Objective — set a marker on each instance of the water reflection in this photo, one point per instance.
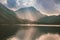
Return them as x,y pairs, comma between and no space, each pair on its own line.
38,33
27,32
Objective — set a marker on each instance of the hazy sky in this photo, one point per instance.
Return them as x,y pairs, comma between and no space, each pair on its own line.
48,7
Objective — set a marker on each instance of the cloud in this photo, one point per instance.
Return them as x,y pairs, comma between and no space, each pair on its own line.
57,1
47,7
3,1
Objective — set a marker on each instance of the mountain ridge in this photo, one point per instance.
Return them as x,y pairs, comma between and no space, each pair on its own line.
31,11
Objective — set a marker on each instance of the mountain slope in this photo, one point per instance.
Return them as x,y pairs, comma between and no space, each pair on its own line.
9,17
29,13
6,15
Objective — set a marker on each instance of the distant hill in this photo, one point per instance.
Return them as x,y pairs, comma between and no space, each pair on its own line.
29,13
49,20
